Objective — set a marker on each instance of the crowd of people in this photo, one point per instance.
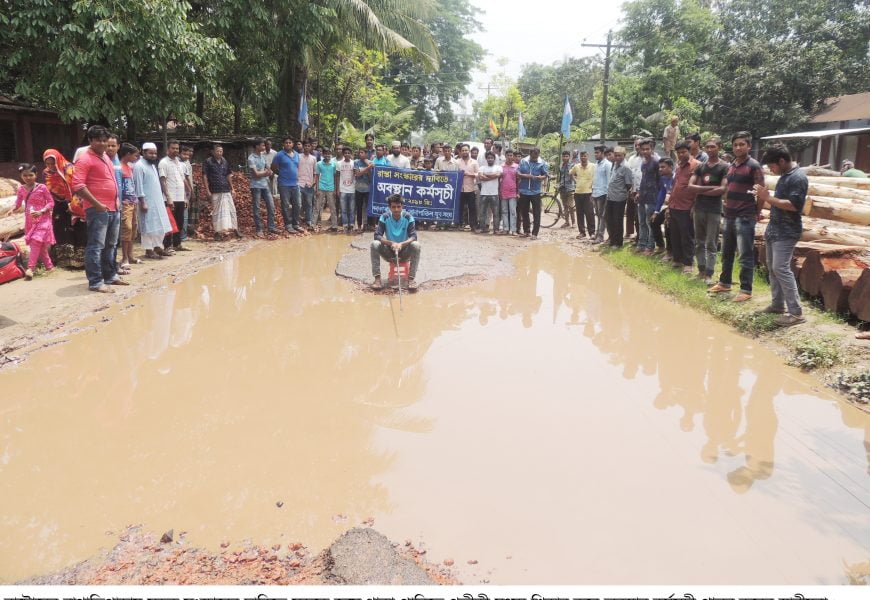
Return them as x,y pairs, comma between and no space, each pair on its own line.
690,192
672,206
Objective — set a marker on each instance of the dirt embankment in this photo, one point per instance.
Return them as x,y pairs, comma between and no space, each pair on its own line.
360,556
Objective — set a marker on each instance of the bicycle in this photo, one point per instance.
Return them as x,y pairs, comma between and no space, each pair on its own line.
551,207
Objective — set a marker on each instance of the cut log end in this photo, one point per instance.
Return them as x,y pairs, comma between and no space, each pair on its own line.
836,287
859,297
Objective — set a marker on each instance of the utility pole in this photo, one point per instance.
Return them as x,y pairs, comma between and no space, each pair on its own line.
609,45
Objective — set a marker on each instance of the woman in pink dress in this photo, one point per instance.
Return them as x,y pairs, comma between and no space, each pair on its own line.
37,203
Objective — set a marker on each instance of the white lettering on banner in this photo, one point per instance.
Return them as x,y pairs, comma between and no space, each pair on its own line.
403,189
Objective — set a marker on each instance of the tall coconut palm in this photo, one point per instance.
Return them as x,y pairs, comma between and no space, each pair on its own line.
308,29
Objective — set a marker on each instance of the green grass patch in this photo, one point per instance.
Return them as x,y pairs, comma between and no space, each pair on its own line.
814,352
693,292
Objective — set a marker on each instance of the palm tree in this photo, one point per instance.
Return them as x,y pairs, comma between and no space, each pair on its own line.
308,29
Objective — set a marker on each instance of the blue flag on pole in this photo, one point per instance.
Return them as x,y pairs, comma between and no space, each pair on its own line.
567,117
521,129
303,110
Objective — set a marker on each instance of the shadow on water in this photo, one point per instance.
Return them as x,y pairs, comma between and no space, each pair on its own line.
267,379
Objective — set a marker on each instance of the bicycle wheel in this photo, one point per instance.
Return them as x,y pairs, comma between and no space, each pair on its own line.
551,210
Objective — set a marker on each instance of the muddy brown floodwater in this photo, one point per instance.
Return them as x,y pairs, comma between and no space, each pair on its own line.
560,425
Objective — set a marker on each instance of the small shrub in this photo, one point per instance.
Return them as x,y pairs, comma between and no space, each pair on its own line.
855,385
815,353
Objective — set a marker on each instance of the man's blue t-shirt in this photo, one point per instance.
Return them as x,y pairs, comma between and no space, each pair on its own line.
532,187
326,183
397,231
118,177
364,182
288,168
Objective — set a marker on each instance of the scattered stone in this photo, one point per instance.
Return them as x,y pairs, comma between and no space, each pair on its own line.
369,522
279,504
365,557
295,546
472,562
167,537
225,544
448,562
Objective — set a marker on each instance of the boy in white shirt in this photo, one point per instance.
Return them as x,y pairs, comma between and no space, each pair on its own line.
488,177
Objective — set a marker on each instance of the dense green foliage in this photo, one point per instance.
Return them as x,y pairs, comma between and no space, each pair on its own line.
218,65
398,66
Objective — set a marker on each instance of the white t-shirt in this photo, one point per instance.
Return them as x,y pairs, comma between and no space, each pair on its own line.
187,169
172,170
635,163
400,162
489,187
346,180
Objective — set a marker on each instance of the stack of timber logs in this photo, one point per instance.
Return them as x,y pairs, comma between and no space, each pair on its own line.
832,259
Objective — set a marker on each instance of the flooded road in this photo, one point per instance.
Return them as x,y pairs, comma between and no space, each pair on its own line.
562,425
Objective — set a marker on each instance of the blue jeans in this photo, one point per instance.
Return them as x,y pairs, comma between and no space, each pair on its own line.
100,265
347,208
307,194
509,215
783,287
289,205
644,234
256,193
738,236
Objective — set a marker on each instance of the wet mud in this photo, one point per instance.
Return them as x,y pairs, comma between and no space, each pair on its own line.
558,424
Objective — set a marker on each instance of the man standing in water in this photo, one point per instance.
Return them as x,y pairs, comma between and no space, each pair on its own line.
396,235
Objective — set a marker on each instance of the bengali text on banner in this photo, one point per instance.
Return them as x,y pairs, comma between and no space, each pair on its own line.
429,195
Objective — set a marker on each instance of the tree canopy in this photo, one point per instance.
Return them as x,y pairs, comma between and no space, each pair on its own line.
218,65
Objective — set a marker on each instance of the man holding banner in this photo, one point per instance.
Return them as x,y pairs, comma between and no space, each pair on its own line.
396,235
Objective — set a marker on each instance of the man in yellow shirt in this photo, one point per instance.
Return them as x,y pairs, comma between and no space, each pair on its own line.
582,173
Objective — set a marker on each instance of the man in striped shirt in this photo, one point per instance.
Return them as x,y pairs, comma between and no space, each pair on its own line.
741,214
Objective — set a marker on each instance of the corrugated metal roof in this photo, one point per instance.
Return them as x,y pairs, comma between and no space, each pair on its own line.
844,108
819,133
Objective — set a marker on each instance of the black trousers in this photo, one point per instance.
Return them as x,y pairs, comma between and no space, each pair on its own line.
614,216
174,239
630,217
682,236
657,230
468,209
523,204
585,209
361,201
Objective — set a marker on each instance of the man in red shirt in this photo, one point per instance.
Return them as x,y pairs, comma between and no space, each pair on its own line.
95,183
682,229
